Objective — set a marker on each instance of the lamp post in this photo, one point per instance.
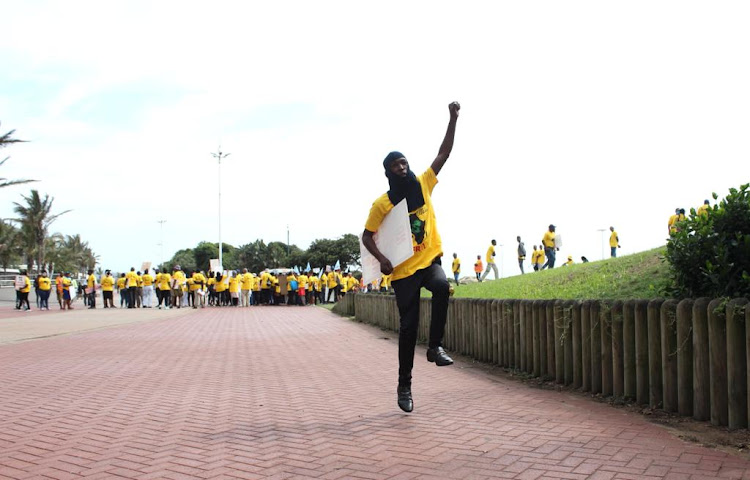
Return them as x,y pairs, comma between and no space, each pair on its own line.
161,241
218,156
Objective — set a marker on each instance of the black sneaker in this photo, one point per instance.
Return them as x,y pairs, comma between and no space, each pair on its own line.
439,357
405,401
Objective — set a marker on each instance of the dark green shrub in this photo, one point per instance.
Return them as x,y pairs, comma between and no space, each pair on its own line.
709,255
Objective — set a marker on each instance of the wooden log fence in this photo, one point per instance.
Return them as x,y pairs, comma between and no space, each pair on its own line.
691,356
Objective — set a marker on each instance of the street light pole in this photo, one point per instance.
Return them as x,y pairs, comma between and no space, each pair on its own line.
161,241
218,156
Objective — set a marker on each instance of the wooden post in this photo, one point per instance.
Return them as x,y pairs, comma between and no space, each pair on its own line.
701,361
668,326
550,320
628,349
568,340
596,347
656,389
529,336
618,366
605,316
542,327
575,329
522,333
535,336
517,340
685,357
736,364
586,346
717,353
507,316
642,393
559,356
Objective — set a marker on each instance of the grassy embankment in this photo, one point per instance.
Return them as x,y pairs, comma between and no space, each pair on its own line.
642,275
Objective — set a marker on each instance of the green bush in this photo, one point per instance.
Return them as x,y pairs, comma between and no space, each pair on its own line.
709,254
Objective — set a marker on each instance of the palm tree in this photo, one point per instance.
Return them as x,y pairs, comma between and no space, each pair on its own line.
5,140
35,219
10,240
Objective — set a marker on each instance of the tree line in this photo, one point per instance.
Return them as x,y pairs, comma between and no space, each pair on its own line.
258,255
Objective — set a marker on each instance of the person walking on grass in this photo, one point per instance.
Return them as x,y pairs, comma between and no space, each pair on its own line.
490,257
614,242
423,269
456,267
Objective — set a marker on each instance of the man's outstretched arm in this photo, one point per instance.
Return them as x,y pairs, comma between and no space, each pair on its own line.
447,145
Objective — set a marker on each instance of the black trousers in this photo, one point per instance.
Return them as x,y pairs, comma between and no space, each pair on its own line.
407,298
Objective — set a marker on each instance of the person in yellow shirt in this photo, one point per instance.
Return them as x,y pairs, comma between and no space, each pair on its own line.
246,286
548,242
333,287
456,267
490,258
197,289
178,280
569,262
234,289
255,298
703,209
277,298
122,289
23,287
131,281
211,284
614,242
147,280
91,289
353,283
221,289
679,216
423,269
164,286
67,294
44,290
291,289
302,281
323,279
108,288
535,259
385,283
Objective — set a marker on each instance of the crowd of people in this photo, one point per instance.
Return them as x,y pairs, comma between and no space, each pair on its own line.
196,289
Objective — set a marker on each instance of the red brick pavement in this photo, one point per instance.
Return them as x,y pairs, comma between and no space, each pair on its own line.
300,393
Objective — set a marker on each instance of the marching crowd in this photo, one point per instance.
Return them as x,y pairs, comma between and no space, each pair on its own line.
196,289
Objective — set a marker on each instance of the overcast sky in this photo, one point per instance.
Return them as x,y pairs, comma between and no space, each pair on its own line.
581,114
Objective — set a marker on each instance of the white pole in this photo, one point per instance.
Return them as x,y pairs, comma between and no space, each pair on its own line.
219,156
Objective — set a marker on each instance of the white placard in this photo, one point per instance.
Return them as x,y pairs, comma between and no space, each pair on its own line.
558,241
393,239
215,266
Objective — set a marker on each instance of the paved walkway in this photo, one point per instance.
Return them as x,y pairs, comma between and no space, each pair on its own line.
276,392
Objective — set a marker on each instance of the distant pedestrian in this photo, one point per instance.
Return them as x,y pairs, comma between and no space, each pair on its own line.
614,242
521,254
478,267
456,267
548,241
490,257
108,287
535,264
45,287
584,260
91,289
703,209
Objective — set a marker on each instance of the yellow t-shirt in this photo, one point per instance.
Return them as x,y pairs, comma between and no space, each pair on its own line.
333,280
256,283
302,280
490,258
220,285
353,282
108,283
672,220
425,237
131,279
703,210
385,281
66,282
613,240
540,259
234,285
549,239
27,285
148,280
247,281
139,281
198,281
455,267
45,283
179,279
91,281
265,280
120,283
314,283
164,283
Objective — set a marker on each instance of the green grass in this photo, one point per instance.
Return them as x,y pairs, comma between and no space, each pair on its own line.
642,275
